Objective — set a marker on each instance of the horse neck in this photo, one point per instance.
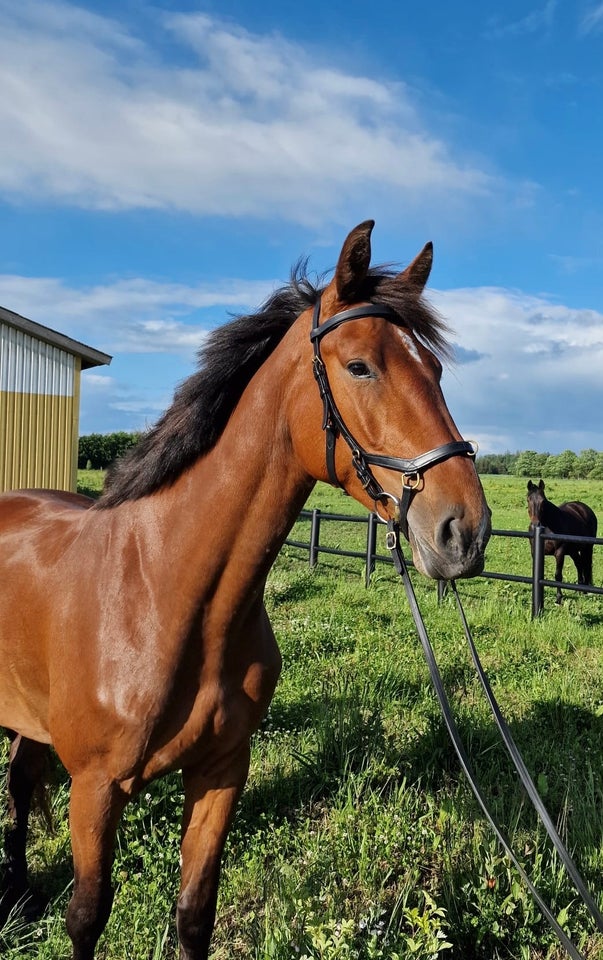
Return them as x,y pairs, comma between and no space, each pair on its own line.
228,515
550,515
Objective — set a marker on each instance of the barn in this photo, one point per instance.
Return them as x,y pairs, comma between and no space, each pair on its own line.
39,403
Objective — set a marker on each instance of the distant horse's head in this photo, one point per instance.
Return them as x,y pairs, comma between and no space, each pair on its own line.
383,374
536,501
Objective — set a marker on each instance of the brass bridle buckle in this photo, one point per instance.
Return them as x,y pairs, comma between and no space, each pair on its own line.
412,480
391,540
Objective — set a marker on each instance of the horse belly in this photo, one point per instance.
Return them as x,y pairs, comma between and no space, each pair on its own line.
23,704
21,718
23,669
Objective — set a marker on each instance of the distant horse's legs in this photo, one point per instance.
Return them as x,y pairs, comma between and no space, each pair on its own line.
559,558
210,803
26,770
575,553
586,555
95,808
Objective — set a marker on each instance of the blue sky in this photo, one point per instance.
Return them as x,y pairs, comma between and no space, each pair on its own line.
163,166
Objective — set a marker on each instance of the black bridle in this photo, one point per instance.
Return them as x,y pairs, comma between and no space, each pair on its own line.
334,426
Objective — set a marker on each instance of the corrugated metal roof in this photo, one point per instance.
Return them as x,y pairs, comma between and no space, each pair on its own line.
33,366
89,356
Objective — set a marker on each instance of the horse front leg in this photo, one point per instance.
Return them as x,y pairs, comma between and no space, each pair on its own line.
96,805
559,558
210,800
26,771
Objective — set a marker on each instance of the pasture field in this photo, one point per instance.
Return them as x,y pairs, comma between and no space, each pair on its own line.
357,836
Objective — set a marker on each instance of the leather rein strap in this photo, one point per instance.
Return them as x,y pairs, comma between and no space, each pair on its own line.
411,471
334,425
393,544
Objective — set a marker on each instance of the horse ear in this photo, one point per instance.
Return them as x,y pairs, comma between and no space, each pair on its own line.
541,486
354,261
531,486
417,272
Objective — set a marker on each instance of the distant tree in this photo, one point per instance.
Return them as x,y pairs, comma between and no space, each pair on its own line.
496,463
98,450
92,451
586,462
488,463
564,464
119,443
597,471
530,464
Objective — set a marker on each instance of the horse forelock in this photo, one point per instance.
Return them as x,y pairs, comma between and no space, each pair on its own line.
227,360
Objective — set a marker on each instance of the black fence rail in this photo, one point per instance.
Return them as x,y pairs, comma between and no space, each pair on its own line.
537,581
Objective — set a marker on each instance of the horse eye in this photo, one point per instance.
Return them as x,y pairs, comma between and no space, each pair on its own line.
359,369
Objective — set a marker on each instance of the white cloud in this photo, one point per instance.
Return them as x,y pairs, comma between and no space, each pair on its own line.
92,116
131,316
537,20
98,382
593,20
533,377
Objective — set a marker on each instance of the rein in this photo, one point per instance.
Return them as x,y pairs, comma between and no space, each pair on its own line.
411,470
393,544
334,426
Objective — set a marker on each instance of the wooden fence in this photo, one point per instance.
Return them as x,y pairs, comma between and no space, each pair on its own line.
369,555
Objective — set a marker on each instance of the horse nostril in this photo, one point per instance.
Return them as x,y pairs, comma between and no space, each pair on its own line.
451,532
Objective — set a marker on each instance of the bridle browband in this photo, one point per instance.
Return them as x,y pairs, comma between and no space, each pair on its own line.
334,426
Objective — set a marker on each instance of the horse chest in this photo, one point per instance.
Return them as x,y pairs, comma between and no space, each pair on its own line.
218,703
222,717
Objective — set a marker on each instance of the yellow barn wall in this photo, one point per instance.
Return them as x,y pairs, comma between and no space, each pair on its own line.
39,412
38,441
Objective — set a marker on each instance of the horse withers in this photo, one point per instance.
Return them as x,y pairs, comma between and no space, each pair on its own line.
133,636
572,519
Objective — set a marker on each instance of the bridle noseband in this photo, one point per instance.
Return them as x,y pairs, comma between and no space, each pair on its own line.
333,425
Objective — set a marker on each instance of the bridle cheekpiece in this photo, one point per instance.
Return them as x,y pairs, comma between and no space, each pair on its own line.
334,426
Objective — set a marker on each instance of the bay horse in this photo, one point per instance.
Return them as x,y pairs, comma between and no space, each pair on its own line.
133,635
573,518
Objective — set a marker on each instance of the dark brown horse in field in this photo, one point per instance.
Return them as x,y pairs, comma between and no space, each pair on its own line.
133,636
573,518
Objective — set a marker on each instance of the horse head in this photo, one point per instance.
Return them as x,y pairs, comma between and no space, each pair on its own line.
378,367
536,501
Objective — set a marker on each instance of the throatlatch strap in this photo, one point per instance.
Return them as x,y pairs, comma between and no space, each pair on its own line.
393,544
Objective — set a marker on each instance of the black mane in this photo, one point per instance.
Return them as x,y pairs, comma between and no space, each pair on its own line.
228,359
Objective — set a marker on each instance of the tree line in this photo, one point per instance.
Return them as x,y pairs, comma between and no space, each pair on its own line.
98,450
588,464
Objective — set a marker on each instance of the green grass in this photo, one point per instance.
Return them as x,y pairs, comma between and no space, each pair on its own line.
90,482
357,836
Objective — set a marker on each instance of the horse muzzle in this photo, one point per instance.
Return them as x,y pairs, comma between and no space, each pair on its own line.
454,549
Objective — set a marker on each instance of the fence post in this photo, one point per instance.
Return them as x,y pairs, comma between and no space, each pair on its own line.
371,547
442,590
314,537
537,571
